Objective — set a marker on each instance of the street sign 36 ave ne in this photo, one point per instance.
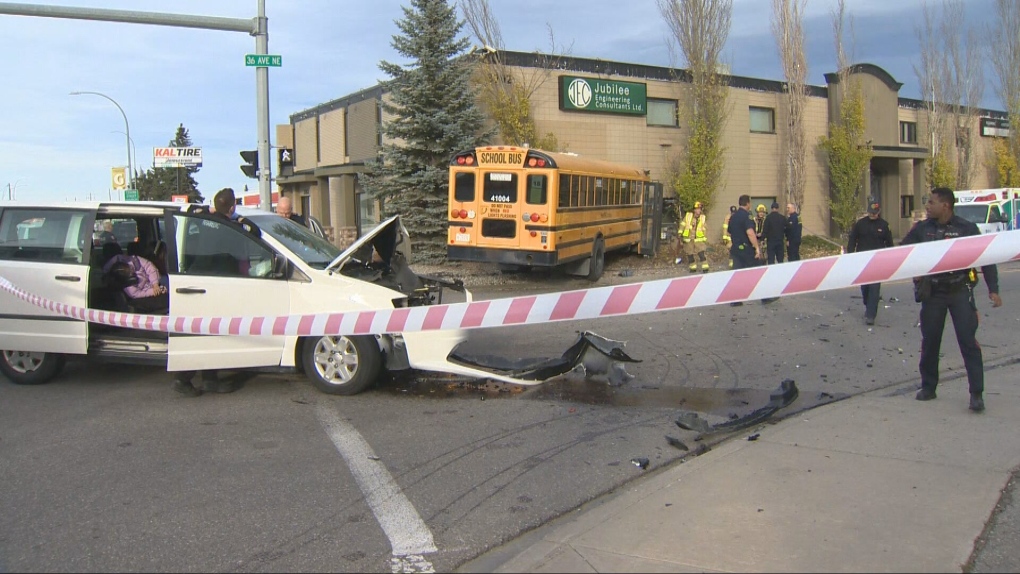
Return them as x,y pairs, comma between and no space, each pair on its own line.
263,60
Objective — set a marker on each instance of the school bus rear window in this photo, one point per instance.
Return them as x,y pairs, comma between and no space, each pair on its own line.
465,187
504,228
500,188
537,190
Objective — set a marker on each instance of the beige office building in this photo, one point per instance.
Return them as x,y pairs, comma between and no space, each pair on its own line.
636,125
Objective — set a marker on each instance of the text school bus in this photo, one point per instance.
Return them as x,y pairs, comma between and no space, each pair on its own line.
530,208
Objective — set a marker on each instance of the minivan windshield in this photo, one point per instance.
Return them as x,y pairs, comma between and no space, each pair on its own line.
298,239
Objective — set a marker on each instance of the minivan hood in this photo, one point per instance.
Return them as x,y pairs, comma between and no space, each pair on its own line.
387,238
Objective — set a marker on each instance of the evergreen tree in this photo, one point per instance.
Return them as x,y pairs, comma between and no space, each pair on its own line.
434,116
160,183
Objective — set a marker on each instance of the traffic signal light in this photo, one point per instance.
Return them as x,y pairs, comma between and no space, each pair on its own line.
251,160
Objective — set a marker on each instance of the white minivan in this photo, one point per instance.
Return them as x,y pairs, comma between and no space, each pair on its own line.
215,269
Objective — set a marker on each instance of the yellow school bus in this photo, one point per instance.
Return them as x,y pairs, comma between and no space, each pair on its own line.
525,207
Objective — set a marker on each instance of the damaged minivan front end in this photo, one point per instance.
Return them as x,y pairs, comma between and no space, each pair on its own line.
381,257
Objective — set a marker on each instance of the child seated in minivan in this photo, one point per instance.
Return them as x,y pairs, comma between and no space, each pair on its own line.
139,279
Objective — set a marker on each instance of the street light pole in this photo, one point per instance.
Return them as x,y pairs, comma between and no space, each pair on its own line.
127,133
12,193
134,150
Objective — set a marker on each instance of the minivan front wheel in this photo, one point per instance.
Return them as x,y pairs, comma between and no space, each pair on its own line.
340,365
27,368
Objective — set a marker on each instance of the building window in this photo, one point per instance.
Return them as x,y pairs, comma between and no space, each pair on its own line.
763,120
908,132
662,113
906,206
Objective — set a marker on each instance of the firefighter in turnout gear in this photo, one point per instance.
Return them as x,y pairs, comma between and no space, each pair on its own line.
726,239
694,233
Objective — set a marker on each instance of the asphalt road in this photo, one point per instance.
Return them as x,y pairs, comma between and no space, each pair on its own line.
106,469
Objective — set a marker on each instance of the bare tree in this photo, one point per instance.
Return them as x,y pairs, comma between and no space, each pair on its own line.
1005,55
788,29
967,81
932,74
951,73
506,91
700,29
847,154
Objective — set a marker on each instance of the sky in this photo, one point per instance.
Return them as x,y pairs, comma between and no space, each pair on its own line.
58,147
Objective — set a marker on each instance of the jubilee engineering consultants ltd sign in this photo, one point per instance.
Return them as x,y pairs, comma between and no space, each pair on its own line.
602,96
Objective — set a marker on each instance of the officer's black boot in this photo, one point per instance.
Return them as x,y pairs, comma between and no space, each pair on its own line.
977,404
182,384
925,394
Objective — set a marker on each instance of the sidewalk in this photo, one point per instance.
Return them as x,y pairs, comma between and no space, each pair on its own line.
876,483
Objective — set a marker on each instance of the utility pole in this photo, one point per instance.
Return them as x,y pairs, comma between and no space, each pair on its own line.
262,105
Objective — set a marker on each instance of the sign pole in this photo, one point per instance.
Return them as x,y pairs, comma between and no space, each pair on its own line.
262,103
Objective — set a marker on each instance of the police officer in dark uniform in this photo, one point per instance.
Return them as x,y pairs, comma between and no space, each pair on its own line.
744,250
951,292
774,231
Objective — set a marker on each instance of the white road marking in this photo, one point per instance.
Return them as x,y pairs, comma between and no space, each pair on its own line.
409,536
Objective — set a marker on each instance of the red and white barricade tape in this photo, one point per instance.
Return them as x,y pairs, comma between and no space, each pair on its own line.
824,274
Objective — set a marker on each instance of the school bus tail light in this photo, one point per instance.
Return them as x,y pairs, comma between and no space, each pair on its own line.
535,217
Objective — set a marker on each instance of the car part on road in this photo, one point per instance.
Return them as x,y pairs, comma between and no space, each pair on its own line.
781,398
591,356
677,443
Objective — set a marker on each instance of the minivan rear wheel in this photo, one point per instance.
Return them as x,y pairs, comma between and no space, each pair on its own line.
28,368
340,365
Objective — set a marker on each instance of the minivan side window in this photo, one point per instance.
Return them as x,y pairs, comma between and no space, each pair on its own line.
216,248
52,235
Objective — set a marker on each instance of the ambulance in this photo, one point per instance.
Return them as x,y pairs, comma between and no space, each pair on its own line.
985,207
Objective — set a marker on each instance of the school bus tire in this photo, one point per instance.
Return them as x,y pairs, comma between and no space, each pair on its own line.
24,368
339,365
598,260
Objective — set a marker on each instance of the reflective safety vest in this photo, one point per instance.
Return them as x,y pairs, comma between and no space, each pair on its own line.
699,233
726,229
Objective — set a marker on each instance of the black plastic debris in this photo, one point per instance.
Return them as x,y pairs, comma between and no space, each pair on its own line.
754,437
627,273
689,420
641,463
591,355
778,399
677,443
